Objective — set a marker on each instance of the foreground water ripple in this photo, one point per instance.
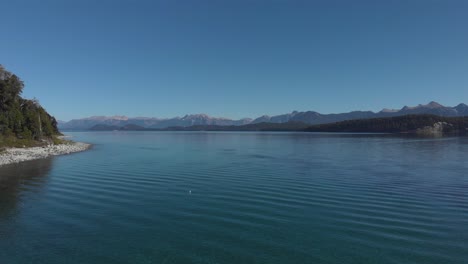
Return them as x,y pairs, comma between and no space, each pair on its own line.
173,197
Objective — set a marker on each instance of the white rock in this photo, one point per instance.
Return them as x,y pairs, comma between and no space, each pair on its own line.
15,155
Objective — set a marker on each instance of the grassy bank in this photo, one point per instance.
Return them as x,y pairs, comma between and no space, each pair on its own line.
15,142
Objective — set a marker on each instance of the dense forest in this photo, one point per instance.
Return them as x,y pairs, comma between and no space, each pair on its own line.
400,124
23,122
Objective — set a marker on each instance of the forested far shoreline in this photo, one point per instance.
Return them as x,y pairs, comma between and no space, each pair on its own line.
400,124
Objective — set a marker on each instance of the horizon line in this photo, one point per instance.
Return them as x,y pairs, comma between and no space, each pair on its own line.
253,118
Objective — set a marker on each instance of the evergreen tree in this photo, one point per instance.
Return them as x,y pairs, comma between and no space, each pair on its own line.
21,118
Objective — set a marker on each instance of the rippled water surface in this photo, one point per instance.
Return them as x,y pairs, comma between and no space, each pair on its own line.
168,197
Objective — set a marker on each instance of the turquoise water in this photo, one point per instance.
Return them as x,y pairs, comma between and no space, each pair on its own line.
168,197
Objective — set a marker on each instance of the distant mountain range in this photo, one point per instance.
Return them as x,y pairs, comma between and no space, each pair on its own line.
420,124
308,117
150,122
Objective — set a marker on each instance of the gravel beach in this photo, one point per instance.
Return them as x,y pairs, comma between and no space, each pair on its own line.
15,155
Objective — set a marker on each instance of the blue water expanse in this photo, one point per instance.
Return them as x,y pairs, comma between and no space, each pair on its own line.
201,197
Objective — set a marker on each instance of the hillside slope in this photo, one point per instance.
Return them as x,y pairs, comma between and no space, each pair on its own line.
399,124
23,122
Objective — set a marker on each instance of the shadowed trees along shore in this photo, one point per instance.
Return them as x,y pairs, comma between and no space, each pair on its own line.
409,123
22,121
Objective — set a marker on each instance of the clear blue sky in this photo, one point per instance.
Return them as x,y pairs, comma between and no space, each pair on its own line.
235,58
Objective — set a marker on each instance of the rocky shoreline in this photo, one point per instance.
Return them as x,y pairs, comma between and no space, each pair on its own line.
16,155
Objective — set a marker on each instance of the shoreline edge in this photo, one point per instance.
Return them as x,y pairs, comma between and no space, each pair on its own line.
17,155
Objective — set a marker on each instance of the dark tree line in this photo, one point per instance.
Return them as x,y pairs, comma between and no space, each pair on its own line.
21,118
398,124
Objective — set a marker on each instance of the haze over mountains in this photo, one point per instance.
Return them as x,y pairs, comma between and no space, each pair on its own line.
308,117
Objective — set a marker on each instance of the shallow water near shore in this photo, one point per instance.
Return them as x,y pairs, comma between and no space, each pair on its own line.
202,197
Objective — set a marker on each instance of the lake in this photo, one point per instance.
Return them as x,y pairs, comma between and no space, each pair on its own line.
206,197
